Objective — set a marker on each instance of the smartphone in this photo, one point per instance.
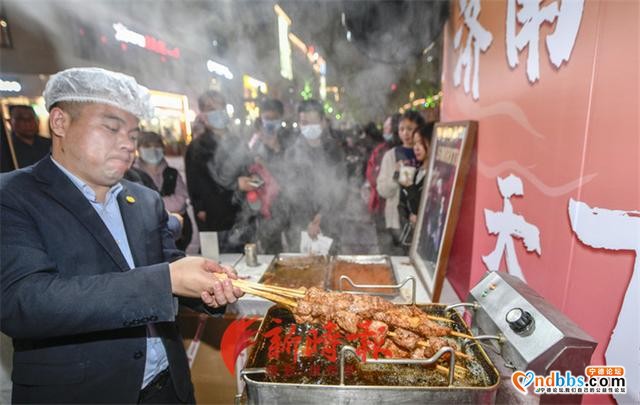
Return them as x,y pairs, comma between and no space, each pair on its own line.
256,182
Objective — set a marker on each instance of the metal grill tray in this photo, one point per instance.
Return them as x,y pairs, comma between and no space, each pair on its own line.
380,269
296,270
260,390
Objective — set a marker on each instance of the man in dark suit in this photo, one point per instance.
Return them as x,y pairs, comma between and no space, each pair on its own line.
25,144
89,270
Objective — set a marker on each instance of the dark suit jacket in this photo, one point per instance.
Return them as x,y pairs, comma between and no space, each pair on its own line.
76,312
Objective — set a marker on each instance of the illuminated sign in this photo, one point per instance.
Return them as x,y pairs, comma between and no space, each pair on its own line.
10,86
253,85
323,87
124,34
253,88
286,64
217,68
298,42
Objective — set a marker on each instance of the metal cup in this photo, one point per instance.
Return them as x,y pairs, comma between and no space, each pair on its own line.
251,254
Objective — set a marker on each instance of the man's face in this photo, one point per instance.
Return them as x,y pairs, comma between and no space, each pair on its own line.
98,145
24,122
310,118
270,115
271,122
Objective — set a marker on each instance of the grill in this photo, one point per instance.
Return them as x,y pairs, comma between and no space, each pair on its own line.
521,330
402,381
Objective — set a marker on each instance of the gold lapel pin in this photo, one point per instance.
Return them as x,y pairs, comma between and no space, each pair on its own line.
130,199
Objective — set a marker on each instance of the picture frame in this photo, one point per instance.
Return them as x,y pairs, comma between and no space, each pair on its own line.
449,161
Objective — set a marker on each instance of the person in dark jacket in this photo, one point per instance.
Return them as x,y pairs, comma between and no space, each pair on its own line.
271,142
88,270
216,164
26,145
317,185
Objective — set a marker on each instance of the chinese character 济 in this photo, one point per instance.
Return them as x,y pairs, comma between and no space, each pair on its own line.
478,39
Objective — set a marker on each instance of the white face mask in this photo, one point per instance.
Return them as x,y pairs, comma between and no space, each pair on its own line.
388,137
219,119
311,132
152,155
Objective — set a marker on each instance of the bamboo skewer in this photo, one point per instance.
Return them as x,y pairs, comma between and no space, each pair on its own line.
278,299
440,319
444,370
461,335
288,292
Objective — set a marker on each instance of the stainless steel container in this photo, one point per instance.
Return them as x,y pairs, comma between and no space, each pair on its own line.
383,263
260,390
251,254
296,270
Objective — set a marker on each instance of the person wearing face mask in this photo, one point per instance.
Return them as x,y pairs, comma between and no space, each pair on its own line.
166,180
376,203
269,147
272,138
217,179
316,189
389,180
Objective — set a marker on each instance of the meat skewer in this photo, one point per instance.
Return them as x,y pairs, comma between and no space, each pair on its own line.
347,311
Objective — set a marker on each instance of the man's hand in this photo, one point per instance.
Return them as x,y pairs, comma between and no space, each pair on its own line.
179,217
202,216
194,277
244,184
413,219
313,229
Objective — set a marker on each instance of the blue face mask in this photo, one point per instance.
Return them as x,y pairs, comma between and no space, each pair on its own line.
388,137
219,119
271,126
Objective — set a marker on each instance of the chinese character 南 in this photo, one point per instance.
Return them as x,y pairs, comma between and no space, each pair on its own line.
478,39
531,17
508,225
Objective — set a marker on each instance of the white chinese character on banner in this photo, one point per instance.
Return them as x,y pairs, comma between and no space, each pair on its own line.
508,225
531,17
478,39
602,228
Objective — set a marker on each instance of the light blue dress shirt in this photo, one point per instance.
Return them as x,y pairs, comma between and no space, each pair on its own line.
109,212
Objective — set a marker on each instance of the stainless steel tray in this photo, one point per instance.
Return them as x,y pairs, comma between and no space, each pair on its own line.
295,275
354,285
262,390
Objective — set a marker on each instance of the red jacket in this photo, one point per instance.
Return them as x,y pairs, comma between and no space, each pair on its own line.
376,204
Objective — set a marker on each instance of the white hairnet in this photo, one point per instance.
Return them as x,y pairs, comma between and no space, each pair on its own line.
98,85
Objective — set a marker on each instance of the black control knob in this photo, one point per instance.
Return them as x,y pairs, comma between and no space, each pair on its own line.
519,320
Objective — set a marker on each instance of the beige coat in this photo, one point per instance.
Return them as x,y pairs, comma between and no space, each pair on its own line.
389,189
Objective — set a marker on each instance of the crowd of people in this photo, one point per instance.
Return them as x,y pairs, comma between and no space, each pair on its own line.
275,185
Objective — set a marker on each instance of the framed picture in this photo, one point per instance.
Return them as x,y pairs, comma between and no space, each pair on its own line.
450,156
